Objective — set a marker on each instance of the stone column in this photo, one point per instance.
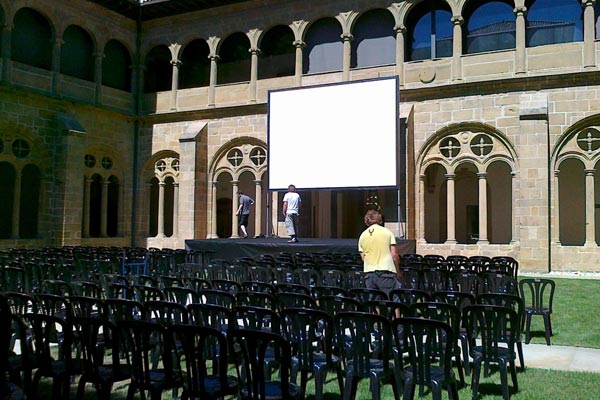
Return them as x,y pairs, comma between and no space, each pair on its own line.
235,204
212,234
86,206
257,207
400,31
515,228
457,22
421,234
556,213
483,213
299,45
58,42
347,40
6,50
137,87
98,57
104,209
213,79
520,44
450,209
175,208
16,212
253,74
590,220
175,83
161,210
589,30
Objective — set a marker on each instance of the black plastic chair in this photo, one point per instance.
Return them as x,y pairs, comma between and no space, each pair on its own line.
538,297
140,339
258,287
492,332
292,288
387,308
217,297
199,346
49,332
449,314
408,296
498,282
364,294
320,291
123,309
365,341
293,300
8,390
145,293
255,299
311,334
226,285
430,346
181,295
256,380
510,301
84,306
332,305
98,337
212,316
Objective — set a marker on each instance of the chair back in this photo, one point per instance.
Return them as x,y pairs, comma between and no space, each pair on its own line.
212,316
310,332
537,294
255,347
495,327
257,318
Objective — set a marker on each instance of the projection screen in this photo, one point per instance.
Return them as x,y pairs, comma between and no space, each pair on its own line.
334,136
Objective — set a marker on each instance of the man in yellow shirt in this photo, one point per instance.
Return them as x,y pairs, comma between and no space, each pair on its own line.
377,248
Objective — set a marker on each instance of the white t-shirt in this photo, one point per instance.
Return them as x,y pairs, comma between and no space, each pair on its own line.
293,202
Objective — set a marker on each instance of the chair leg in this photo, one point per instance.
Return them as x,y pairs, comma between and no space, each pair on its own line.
80,389
521,358
350,389
528,329
547,328
465,350
504,381
409,390
513,374
475,378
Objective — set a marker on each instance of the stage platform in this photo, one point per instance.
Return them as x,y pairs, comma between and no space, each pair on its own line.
230,249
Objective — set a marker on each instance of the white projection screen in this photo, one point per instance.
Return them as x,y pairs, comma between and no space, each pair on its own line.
334,136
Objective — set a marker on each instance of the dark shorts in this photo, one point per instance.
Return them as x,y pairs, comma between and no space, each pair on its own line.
243,219
385,281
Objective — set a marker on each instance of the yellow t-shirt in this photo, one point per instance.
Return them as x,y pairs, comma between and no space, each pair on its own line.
375,244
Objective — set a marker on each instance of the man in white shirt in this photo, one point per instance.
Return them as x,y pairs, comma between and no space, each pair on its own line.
291,210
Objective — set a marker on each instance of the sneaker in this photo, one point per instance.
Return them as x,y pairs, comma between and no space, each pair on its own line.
293,240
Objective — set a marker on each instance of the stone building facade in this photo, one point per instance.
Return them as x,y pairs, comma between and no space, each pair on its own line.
117,132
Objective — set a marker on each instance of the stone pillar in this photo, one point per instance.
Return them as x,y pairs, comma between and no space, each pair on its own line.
161,210
104,209
6,50
212,233
257,207
213,79
590,220
515,228
450,209
253,74
234,218
589,30
421,234
457,22
175,84
347,40
58,42
400,31
556,213
86,207
483,213
520,43
137,87
98,57
16,213
175,208
299,45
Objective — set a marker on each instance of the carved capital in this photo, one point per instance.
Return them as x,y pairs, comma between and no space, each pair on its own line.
457,20
520,11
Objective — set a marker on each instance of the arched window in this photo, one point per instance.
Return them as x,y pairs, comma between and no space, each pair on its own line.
95,206
116,64
374,40
435,204
324,47
554,21
235,58
429,31
7,194
30,201
31,39
164,196
76,57
490,26
112,220
277,53
571,183
195,65
159,71
466,204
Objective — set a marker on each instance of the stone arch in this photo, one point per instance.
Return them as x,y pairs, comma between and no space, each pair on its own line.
116,65
466,154
239,165
32,46
575,161
374,40
278,54
161,179
324,47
